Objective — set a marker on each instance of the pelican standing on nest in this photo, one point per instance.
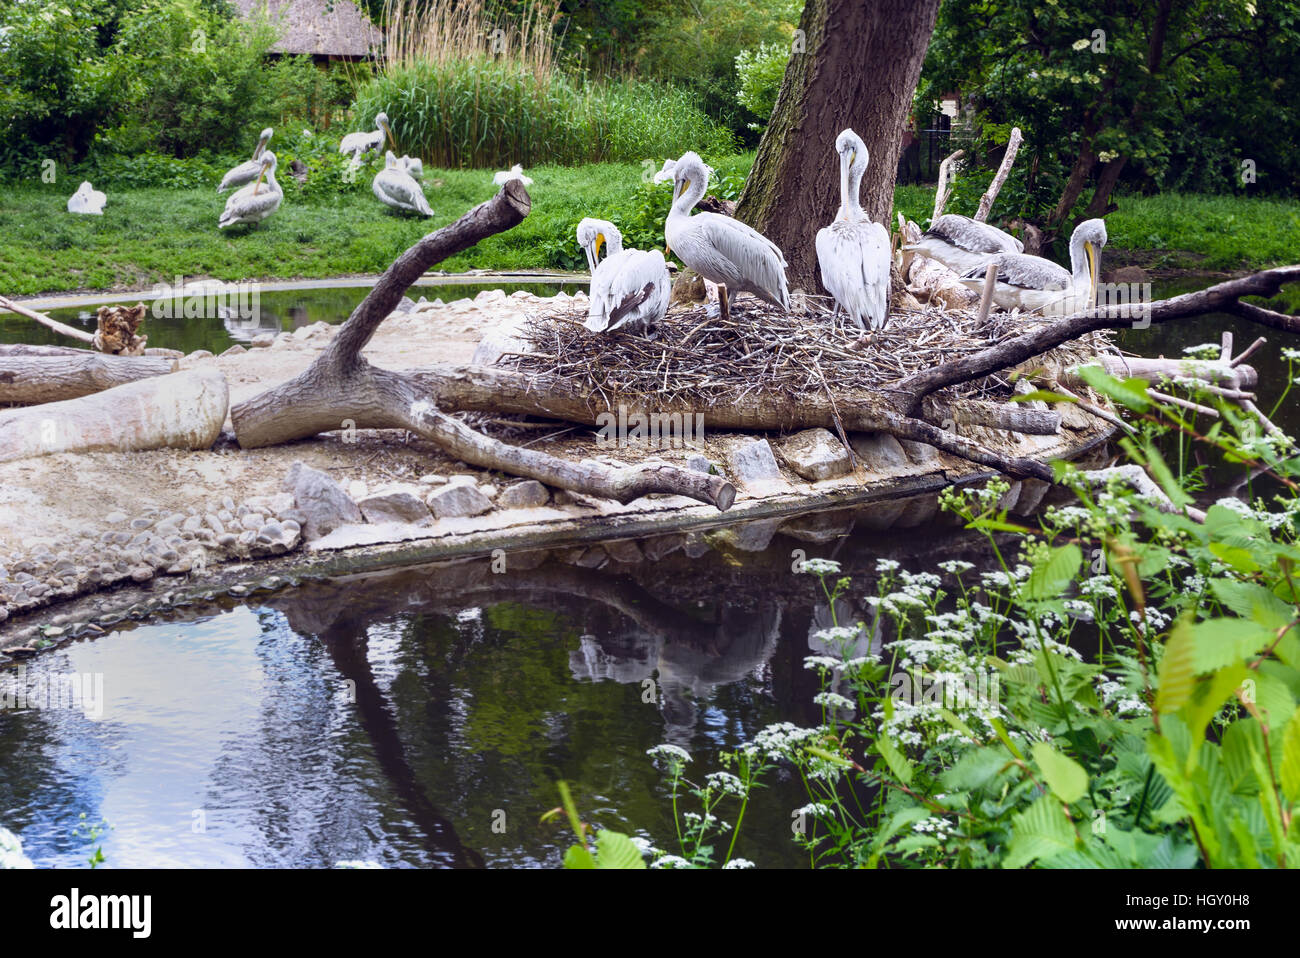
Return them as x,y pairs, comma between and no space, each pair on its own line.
247,171
395,187
1036,285
358,143
630,289
963,244
87,199
853,252
721,249
254,202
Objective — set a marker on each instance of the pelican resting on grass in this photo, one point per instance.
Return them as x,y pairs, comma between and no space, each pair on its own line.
630,288
515,172
721,249
358,143
247,171
254,202
853,252
1036,285
963,244
87,199
395,187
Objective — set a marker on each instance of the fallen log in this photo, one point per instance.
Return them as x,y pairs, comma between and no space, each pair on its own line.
43,379
341,386
183,410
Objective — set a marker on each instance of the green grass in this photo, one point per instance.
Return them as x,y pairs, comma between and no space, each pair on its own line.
1219,232
150,235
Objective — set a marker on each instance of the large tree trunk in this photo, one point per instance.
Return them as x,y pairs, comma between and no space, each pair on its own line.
859,69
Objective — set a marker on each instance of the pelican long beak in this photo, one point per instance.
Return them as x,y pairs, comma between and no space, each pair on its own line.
261,146
667,251
1091,253
258,185
591,260
387,130
600,238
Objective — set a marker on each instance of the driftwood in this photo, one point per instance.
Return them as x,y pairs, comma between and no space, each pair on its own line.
184,410
1008,160
340,386
947,173
43,379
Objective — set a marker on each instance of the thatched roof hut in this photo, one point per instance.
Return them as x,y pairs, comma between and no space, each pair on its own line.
323,29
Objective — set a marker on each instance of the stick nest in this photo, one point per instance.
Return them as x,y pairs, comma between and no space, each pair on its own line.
763,350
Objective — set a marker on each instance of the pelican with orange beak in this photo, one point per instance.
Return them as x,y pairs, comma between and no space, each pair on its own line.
254,202
359,143
1032,284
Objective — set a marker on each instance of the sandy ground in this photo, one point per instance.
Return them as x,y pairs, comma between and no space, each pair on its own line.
43,500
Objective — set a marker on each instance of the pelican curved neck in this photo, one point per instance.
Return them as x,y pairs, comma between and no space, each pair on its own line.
692,194
850,188
1081,269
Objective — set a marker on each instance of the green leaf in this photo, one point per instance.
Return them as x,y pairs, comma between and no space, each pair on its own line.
1041,830
1218,643
1177,676
1160,471
896,760
1237,557
1291,760
578,857
1052,576
1066,777
1043,395
1252,601
616,850
1131,392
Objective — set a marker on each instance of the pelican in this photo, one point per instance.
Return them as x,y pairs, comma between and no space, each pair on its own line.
516,172
254,203
414,166
1036,285
358,143
247,171
87,199
735,256
395,186
854,253
963,244
630,289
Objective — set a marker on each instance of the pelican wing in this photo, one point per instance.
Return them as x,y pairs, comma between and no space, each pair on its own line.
757,263
972,235
396,188
629,290
854,260
245,172
1025,271
358,143
245,206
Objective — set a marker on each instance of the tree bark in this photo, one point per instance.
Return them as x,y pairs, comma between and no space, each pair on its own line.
42,379
859,69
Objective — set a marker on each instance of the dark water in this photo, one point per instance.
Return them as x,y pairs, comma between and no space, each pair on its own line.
276,311
395,718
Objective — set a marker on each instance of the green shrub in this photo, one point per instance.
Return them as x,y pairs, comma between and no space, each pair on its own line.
760,71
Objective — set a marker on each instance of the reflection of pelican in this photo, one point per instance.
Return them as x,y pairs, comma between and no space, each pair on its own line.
630,289
358,143
853,252
962,244
721,249
254,203
87,199
397,188
247,171
1034,284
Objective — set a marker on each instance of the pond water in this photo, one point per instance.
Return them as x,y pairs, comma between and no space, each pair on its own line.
396,718
277,311
422,717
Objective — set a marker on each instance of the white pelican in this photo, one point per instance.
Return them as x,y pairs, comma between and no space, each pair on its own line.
398,189
247,171
630,289
963,244
853,252
515,172
1036,285
358,143
87,199
735,256
254,202
414,166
